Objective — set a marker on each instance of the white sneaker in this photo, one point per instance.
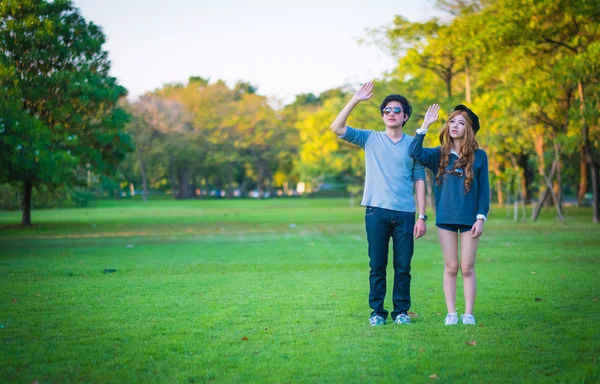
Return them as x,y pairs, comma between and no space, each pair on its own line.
467,319
451,319
376,320
402,318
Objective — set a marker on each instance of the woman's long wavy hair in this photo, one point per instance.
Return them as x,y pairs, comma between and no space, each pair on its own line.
466,152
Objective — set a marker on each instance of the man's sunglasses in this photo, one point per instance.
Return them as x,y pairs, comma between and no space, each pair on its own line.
388,110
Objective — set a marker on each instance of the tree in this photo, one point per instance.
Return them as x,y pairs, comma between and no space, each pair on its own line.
460,7
58,103
154,125
564,38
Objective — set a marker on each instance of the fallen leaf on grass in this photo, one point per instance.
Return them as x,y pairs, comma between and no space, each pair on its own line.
38,295
562,277
15,300
245,338
539,299
533,273
595,299
481,326
412,314
472,342
310,331
421,350
434,376
438,314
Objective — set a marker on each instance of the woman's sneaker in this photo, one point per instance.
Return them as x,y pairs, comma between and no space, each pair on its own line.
467,319
376,320
451,319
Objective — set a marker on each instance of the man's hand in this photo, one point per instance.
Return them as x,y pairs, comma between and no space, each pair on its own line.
365,92
477,229
420,228
432,115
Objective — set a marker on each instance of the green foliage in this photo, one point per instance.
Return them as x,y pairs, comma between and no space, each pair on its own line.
9,197
206,135
58,105
81,196
521,66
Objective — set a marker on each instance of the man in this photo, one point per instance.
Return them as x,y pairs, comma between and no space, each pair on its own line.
388,197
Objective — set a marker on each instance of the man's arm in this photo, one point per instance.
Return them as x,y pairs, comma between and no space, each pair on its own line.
364,93
420,225
421,204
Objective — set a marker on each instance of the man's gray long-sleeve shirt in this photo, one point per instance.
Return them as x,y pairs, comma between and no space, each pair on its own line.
390,171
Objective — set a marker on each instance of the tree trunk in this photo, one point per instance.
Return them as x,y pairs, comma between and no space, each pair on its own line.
495,169
589,155
583,176
558,206
448,81
172,177
595,192
27,189
549,191
184,182
528,175
499,191
230,180
144,177
543,197
261,179
548,179
521,199
524,178
558,181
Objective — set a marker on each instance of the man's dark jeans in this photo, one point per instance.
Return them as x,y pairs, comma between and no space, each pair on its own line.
381,224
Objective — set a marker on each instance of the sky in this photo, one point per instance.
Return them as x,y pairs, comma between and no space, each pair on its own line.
282,47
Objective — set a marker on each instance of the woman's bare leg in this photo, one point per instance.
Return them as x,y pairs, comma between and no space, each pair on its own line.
449,244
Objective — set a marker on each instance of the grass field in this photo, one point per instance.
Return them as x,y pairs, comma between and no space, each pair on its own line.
276,291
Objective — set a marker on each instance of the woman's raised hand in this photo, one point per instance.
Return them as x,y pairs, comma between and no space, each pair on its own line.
432,115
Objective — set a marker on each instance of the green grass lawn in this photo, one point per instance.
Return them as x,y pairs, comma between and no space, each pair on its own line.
276,291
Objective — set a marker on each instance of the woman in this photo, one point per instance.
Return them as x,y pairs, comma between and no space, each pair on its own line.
462,200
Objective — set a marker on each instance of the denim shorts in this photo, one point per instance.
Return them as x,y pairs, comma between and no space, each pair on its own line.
455,227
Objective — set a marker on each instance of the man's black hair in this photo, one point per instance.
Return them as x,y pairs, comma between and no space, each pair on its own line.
406,108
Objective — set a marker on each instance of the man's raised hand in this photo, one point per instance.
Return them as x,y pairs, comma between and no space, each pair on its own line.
365,92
